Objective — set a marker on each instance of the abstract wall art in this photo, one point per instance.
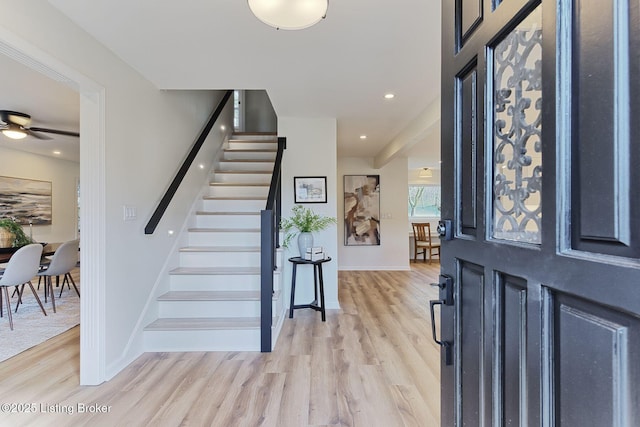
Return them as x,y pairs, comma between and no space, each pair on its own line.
26,200
361,210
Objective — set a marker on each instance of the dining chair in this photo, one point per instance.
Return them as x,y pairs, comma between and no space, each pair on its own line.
423,242
63,261
21,268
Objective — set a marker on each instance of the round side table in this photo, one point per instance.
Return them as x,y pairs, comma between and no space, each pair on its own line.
318,285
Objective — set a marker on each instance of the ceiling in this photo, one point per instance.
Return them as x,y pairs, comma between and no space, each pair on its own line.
50,104
342,67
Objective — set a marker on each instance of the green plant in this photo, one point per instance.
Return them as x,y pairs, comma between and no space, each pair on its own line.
303,220
12,226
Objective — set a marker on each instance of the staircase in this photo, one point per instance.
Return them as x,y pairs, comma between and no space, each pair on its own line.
213,302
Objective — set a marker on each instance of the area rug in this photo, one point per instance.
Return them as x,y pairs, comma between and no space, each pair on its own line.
31,327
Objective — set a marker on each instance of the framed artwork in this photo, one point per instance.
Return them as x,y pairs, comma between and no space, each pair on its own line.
26,200
361,210
310,189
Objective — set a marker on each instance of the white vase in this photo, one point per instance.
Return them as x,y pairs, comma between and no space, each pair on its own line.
305,240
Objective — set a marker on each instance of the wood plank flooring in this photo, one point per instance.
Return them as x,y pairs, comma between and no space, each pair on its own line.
371,364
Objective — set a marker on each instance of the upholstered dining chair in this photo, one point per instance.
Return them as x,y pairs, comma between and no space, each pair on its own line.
63,261
21,268
423,242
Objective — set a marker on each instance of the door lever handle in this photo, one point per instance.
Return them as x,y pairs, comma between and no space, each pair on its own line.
443,344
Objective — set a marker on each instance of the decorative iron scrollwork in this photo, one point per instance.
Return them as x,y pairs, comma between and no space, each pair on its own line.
517,148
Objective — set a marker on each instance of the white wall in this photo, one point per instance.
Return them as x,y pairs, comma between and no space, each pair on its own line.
393,251
311,151
63,175
259,115
146,134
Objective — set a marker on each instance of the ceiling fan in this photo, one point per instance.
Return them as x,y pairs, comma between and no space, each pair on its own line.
15,125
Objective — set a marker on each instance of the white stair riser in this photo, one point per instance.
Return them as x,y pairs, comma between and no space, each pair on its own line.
216,259
263,178
248,145
222,259
219,282
266,166
230,205
224,309
228,221
248,155
222,238
238,191
203,340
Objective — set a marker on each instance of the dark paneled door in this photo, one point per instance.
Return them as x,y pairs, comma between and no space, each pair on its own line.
541,182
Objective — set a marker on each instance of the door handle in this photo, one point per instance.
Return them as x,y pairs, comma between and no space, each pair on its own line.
443,344
446,289
445,283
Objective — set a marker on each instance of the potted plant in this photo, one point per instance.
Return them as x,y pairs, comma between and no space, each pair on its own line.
12,235
303,223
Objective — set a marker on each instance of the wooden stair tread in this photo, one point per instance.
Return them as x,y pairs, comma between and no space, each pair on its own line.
245,172
247,161
203,323
220,249
222,271
224,230
253,141
250,150
239,184
226,213
254,134
213,296
234,198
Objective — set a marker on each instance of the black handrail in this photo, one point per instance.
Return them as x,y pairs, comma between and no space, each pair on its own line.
182,172
269,242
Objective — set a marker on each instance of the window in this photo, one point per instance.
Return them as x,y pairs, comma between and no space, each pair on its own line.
238,110
424,201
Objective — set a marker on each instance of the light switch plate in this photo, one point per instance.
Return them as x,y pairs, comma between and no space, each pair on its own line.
130,213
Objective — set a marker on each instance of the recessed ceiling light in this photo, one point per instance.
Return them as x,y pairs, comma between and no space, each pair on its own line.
57,153
389,96
363,136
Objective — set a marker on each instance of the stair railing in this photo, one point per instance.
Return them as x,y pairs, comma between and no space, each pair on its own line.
182,172
269,243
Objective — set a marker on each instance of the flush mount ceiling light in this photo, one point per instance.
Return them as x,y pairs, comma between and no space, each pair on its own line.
425,173
289,14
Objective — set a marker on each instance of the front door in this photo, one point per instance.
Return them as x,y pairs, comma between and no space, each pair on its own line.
541,183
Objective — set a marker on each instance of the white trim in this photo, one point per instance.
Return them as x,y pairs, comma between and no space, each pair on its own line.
92,238
92,204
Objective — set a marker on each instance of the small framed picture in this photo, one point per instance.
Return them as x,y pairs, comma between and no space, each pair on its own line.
310,189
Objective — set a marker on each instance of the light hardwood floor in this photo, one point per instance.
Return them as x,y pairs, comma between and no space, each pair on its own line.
371,364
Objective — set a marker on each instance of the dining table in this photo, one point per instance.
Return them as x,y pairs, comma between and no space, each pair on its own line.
48,249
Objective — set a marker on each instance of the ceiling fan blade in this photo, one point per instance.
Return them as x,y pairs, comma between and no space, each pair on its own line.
30,132
55,131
